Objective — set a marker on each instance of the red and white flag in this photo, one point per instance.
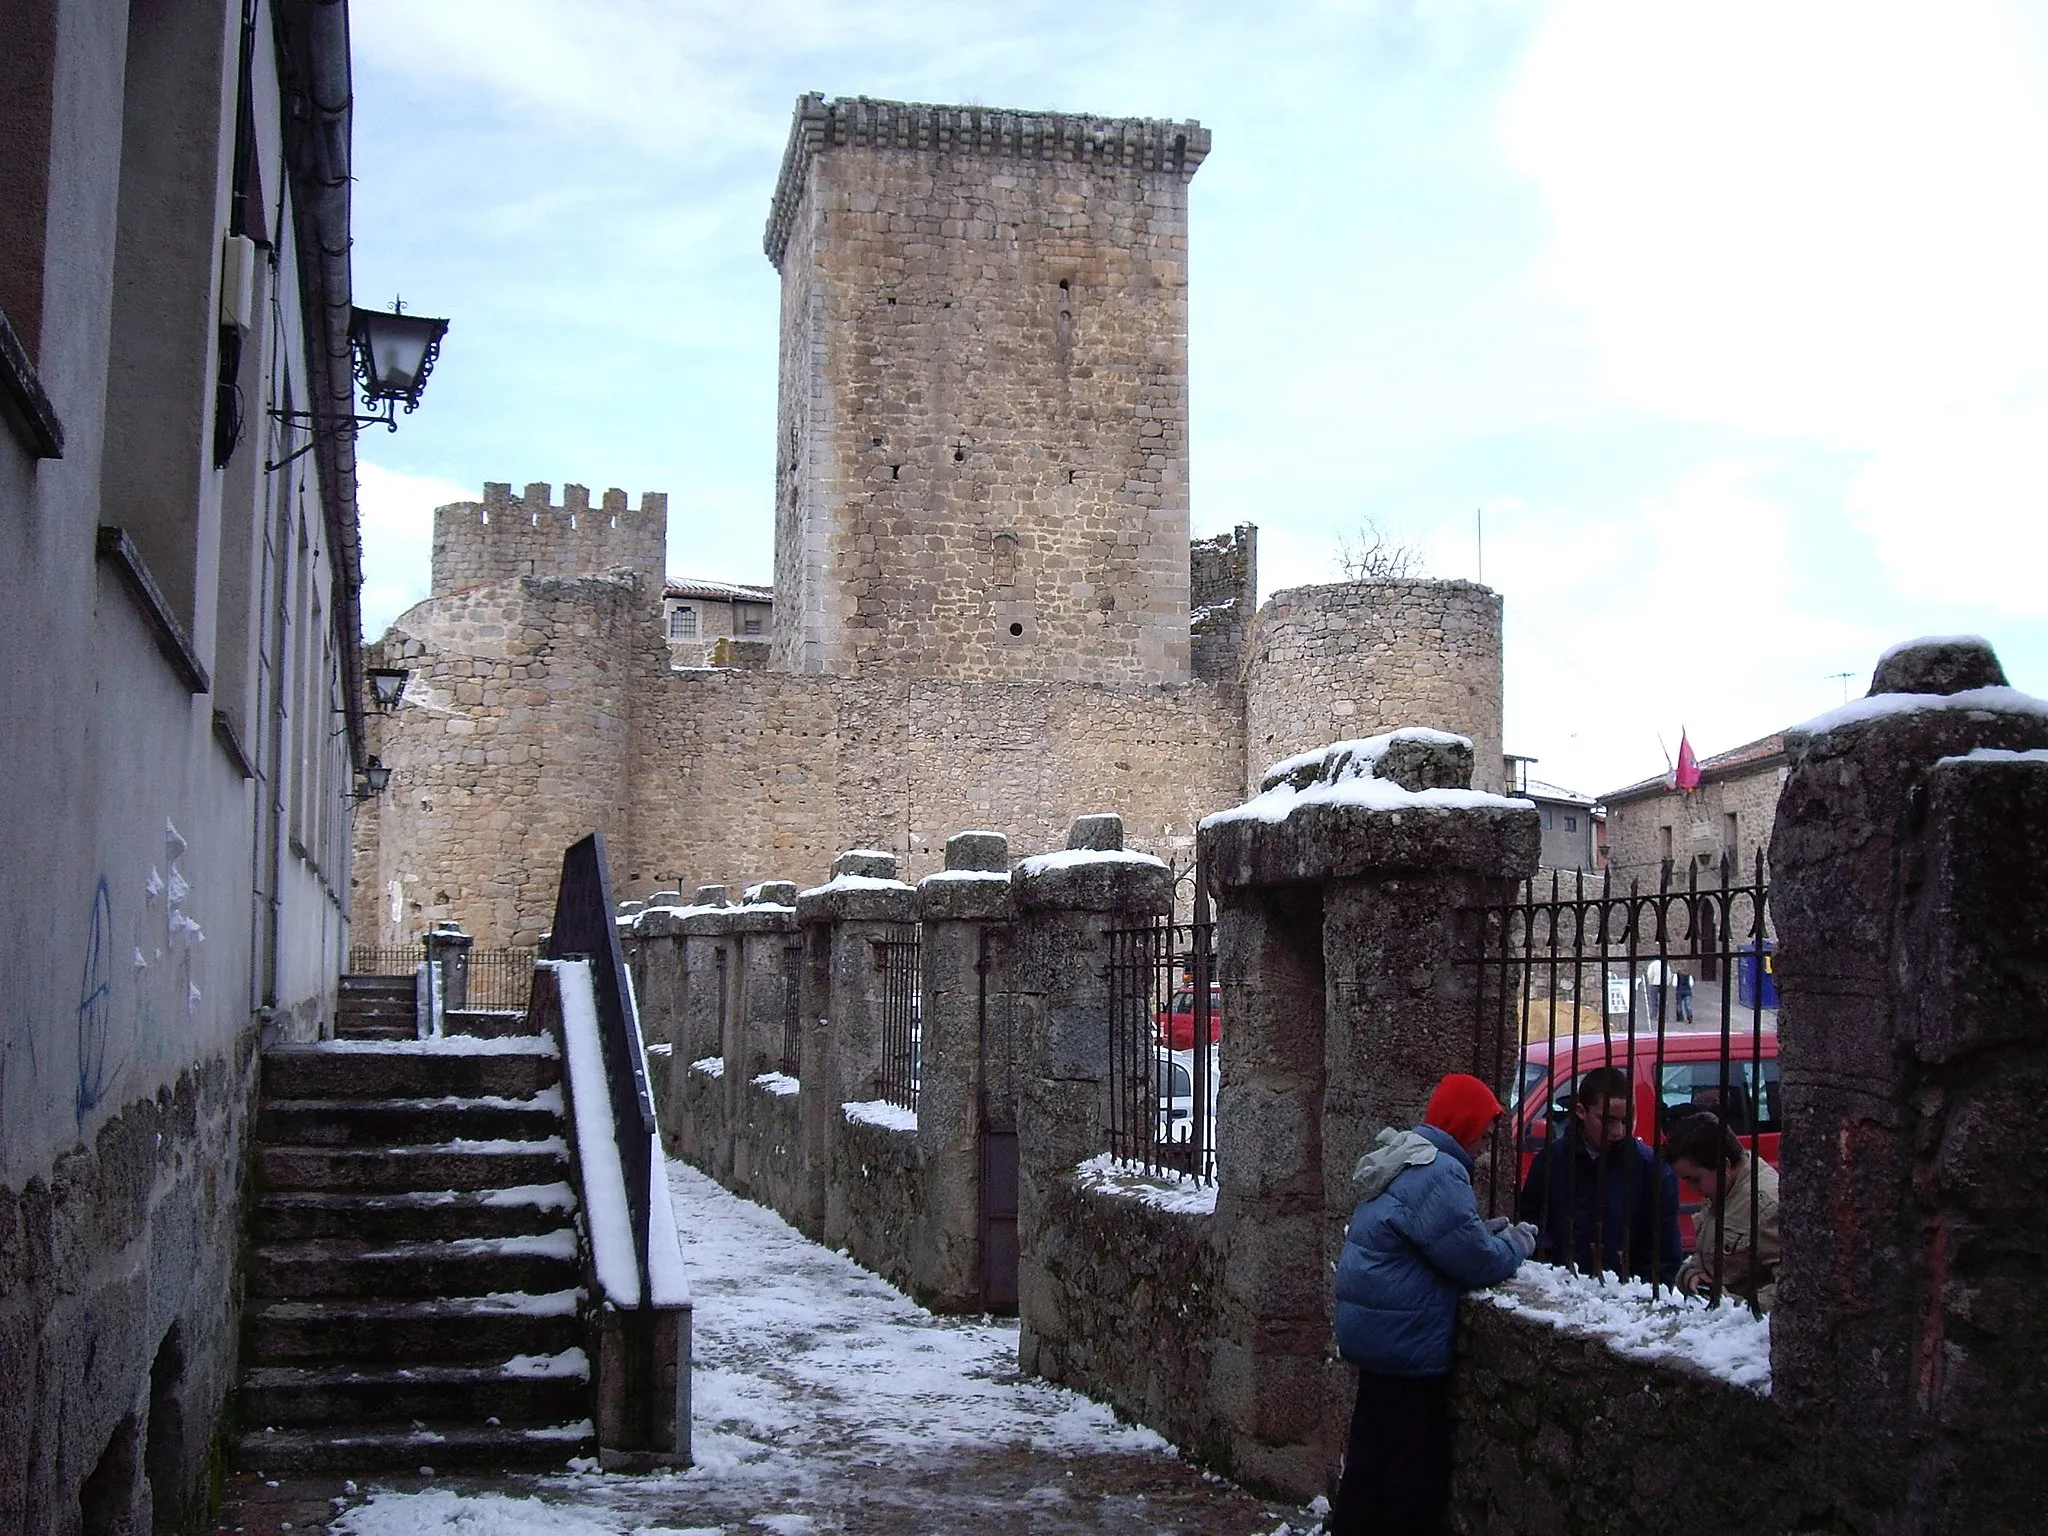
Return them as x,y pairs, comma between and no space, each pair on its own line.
1686,776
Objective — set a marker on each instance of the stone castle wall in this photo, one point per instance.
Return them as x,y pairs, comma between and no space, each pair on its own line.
1358,658
1223,596
514,739
506,536
982,456
1699,826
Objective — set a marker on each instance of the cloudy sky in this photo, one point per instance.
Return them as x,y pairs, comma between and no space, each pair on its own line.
1731,320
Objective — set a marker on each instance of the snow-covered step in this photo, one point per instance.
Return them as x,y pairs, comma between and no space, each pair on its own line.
437,1330
544,1261
376,1007
518,1066
488,1164
389,1122
446,1447
412,1215
526,1389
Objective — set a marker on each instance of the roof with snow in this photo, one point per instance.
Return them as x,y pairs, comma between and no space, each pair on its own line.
721,591
1764,752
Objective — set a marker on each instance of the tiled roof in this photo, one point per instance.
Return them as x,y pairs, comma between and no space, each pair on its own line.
1764,752
723,591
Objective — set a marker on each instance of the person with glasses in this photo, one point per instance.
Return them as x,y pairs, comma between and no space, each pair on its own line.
1601,1200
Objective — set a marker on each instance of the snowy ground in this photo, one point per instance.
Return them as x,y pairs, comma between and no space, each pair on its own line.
826,1402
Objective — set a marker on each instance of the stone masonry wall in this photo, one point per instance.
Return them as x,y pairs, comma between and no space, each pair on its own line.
1223,589
1358,658
982,454
768,775
1560,1436
1699,826
506,536
121,1269
512,742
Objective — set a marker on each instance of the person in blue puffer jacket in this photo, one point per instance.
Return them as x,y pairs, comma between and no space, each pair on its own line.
1415,1245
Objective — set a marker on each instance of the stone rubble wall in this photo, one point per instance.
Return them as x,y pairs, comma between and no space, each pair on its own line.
1698,824
513,742
1223,581
1358,658
136,1239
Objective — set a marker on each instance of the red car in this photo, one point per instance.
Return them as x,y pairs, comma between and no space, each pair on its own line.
1689,1073
1177,1018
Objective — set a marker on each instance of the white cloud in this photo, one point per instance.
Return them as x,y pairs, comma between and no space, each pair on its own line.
397,512
1804,218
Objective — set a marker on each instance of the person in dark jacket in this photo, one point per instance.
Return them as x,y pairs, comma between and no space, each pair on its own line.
1414,1246
1600,1198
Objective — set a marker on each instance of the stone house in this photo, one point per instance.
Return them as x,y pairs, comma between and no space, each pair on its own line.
1657,835
988,609
182,701
1572,823
696,614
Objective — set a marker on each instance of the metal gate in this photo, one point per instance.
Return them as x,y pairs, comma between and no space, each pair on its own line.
997,1223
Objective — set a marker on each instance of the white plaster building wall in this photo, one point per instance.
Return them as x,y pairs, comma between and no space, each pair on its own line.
171,630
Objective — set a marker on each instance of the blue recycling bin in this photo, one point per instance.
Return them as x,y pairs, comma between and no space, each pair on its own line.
1754,976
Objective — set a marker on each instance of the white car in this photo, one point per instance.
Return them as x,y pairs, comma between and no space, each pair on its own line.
1176,1074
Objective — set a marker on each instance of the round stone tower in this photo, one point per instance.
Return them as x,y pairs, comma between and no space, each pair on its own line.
1361,657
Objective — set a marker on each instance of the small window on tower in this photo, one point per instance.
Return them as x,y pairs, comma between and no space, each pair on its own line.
682,623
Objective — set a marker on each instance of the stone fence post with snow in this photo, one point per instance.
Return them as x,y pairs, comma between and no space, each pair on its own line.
965,910
1911,899
844,922
757,935
1339,890
1066,904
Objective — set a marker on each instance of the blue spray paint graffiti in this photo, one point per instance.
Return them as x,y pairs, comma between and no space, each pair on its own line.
95,989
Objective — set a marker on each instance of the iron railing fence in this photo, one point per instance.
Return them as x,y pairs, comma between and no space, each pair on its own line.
1672,989
897,957
1164,1057
501,978
390,960
792,1024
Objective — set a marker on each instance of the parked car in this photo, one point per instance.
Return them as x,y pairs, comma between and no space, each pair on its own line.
1176,1079
1177,1018
1687,1075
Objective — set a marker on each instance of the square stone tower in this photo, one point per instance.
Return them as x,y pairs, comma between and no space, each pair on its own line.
982,460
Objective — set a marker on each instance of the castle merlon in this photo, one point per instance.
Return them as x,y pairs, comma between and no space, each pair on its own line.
498,497
1138,143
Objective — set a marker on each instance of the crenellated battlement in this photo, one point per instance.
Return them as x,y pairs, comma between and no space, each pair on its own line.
1135,143
504,536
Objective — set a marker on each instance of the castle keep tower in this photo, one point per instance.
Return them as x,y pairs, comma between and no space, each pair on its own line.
982,452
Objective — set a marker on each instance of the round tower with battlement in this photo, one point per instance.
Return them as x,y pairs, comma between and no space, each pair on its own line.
506,536
1361,657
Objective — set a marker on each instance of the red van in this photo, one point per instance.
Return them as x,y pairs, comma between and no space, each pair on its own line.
1177,1018
1689,1073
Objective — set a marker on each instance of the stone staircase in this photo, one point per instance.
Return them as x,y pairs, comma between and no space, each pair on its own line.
376,1008
415,1280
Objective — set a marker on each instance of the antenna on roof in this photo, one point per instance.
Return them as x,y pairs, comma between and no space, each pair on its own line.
1843,678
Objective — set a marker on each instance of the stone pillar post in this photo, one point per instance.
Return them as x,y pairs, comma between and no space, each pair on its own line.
1911,900
860,905
757,932
710,966
658,977
1338,891
958,906
1067,903
448,948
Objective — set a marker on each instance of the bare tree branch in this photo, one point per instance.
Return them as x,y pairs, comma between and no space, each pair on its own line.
1371,553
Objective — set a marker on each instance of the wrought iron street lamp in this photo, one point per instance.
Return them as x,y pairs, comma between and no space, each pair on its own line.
376,779
387,686
394,352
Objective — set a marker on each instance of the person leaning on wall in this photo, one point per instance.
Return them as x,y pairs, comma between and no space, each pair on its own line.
1601,1200
1736,1252
1414,1246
